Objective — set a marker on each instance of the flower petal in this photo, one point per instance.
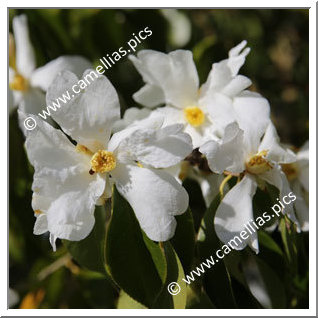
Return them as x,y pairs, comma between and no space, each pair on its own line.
49,149
159,148
40,225
303,164
228,154
174,73
43,76
25,58
154,121
301,207
149,96
252,115
236,85
131,116
89,116
67,204
155,197
33,101
276,152
277,178
235,212
237,57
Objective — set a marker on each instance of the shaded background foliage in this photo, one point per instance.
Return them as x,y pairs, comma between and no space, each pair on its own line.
278,67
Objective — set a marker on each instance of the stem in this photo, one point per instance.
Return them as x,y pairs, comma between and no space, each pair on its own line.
225,180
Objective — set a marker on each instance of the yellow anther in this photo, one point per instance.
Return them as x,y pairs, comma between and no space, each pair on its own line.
194,116
103,161
19,83
139,164
38,212
291,170
83,149
257,164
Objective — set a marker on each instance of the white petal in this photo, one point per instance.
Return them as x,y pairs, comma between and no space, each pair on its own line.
43,76
220,109
40,226
159,148
277,178
252,114
237,57
33,101
301,207
71,216
228,154
89,116
149,96
222,76
153,121
276,152
236,85
131,116
303,165
219,76
25,58
49,149
235,212
155,197
68,203
175,73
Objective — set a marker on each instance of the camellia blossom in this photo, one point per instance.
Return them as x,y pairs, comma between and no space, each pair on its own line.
172,79
298,176
251,147
69,180
27,83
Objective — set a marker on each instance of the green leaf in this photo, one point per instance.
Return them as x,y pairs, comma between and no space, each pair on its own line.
175,274
269,243
183,240
126,302
288,235
208,243
196,201
89,252
198,299
135,263
263,283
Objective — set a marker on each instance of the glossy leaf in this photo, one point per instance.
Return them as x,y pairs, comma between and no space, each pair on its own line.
183,240
135,263
216,280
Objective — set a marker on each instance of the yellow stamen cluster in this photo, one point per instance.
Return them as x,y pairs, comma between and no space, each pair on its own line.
103,161
194,116
19,83
291,170
257,164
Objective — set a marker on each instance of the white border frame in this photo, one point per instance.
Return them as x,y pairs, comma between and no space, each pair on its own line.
312,144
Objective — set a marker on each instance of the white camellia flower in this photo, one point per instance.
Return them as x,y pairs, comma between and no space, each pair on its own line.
251,147
27,83
298,176
70,180
172,79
